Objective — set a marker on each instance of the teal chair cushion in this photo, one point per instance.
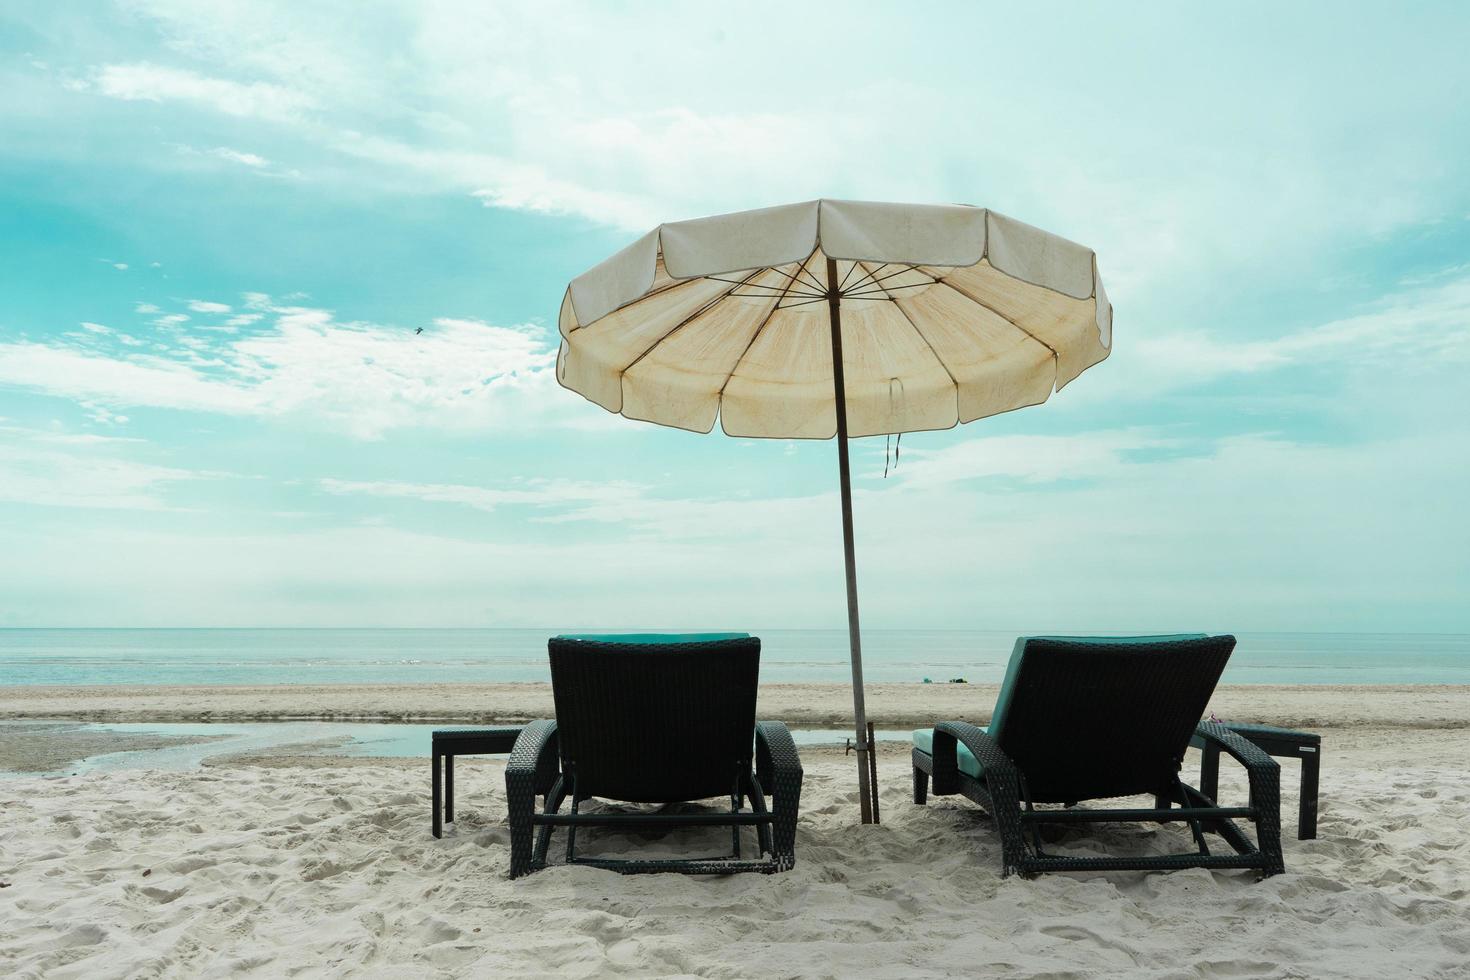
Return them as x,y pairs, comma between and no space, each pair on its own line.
924,741
654,637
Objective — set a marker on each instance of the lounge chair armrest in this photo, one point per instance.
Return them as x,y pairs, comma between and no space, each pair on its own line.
1238,747
535,756
778,769
1264,776
775,753
531,770
949,734
1001,789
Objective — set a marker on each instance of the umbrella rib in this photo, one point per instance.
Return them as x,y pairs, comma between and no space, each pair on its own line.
875,284
753,337
867,274
805,302
884,291
907,268
768,295
740,282
979,302
867,287
795,280
684,322
770,290
810,279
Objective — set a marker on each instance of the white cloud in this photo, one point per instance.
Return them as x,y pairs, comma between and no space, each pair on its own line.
51,478
467,375
567,118
1405,335
501,182
122,266
146,308
140,380
238,156
103,415
205,306
359,378
254,161
367,379
160,83
95,327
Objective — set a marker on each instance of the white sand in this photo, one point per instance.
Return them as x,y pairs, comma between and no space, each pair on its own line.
284,869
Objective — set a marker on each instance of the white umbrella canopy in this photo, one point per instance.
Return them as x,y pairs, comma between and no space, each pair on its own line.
949,313
845,318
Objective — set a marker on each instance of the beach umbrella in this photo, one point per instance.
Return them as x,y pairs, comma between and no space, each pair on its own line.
834,318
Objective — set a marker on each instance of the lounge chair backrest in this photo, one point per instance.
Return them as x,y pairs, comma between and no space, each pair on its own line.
655,721
1093,717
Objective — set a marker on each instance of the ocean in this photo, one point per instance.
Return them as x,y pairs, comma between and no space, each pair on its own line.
359,656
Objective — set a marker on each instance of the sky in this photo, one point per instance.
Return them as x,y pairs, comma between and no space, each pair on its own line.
224,225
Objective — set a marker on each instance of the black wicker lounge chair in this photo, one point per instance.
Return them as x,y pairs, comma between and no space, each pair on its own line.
655,719
1094,718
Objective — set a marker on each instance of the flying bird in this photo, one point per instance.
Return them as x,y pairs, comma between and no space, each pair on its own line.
418,331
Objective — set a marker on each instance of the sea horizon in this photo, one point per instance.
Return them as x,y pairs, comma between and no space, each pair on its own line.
63,656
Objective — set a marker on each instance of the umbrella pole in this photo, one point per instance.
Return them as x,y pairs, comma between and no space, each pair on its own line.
866,789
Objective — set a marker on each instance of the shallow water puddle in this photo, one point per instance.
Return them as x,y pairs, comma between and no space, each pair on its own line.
60,747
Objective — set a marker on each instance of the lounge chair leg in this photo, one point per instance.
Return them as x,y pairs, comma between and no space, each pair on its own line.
1306,814
531,769
921,786
551,804
449,789
764,844
572,828
438,827
520,799
1209,771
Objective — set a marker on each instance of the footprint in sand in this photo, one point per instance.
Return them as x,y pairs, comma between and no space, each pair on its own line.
317,872
164,896
1080,934
87,935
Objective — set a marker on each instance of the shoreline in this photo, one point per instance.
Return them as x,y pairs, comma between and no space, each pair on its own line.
1403,706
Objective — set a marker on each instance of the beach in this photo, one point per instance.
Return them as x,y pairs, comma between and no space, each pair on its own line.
305,864
366,367
799,705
